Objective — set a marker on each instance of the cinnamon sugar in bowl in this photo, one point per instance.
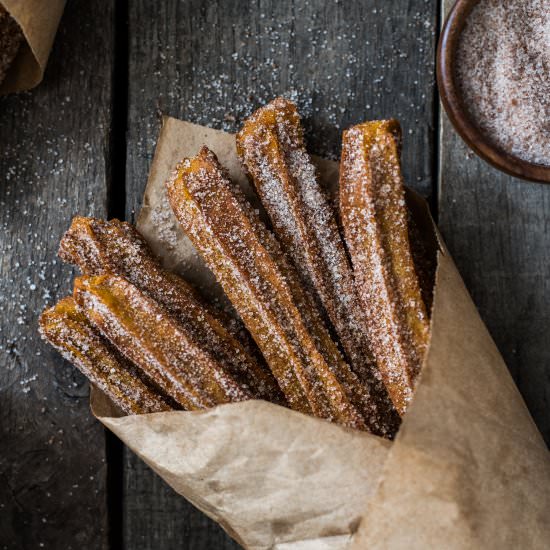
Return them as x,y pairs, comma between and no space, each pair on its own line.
493,73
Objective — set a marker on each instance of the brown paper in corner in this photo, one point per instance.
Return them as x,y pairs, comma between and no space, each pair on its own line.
38,20
467,470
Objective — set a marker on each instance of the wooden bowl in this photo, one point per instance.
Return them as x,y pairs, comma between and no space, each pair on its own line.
458,114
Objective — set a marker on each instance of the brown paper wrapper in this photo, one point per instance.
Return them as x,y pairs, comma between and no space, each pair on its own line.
468,468
38,20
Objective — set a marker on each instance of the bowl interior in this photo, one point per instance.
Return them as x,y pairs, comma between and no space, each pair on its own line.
458,114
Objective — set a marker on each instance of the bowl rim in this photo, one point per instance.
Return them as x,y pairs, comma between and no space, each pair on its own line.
458,115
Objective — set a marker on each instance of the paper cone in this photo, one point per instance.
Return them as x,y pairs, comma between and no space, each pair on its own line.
265,473
38,19
468,468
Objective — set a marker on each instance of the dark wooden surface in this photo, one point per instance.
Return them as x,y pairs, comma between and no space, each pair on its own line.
496,228
53,164
83,143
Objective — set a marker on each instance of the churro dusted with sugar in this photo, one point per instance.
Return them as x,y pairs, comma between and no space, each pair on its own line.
69,331
267,293
374,217
99,247
272,149
156,343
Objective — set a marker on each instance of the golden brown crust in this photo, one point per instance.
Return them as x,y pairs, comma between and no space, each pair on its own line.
68,330
272,149
100,247
265,290
374,217
154,341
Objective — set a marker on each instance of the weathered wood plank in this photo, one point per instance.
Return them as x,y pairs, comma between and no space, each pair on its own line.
496,228
213,63
53,164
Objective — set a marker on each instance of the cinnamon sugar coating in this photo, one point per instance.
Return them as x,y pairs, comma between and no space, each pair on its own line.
265,289
100,247
69,331
272,149
156,343
375,221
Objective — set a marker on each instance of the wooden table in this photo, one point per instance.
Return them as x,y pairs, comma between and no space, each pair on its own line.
82,143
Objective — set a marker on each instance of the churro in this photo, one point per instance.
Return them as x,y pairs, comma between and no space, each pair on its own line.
69,331
272,149
99,247
374,217
156,343
265,290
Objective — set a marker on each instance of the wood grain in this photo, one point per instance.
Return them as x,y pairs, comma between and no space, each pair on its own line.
53,164
213,63
496,228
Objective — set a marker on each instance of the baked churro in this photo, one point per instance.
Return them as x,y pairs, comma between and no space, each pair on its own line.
152,339
69,331
272,149
265,290
99,247
374,217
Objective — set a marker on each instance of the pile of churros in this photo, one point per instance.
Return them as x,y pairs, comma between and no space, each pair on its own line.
333,303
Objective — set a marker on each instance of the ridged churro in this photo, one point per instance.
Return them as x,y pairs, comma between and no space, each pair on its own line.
265,290
69,331
156,343
374,217
272,149
99,247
